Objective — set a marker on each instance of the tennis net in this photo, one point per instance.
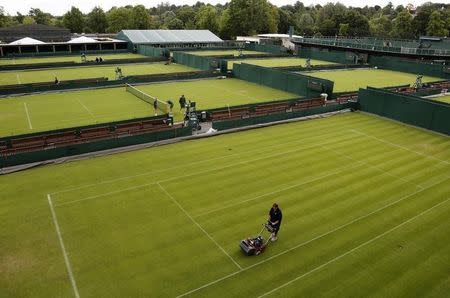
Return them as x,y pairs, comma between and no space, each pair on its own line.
161,105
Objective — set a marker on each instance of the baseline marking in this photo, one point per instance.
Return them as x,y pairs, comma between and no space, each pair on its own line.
28,115
198,225
85,107
399,146
353,249
309,241
61,243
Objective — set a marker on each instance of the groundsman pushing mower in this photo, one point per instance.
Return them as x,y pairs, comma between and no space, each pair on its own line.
256,245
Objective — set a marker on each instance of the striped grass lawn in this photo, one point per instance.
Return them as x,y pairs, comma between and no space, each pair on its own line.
365,201
353,79
278,62
87,72
73,58
41,112
226,52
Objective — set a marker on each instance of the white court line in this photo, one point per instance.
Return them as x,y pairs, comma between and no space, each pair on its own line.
18,78
184,176
66,258
28,115
339,170
371,166
105,194
353,249
309,241
85,107
199,226
188,164
399,146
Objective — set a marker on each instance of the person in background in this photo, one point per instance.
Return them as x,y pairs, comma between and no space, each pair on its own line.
182,102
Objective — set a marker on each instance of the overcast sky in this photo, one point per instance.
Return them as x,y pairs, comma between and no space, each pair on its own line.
59,7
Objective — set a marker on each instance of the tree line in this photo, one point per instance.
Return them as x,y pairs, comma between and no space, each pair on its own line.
250,17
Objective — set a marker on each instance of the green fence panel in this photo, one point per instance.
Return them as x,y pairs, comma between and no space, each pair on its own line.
287,81
29,157
325,54
406,108
273,49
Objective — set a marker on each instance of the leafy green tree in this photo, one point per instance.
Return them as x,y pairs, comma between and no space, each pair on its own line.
19,18
248,17
343,29
118,19
358,25
402,25
96,20
437,25
187,15
175,23
39,16
286,19
224,30
74,20
305,24
328,28
207,18
380,27
140,17
27,20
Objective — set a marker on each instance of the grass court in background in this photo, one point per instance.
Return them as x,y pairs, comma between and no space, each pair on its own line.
352,79
88,72
48,111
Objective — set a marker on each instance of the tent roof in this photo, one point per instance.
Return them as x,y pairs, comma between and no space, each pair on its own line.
168,36
82,39
26,41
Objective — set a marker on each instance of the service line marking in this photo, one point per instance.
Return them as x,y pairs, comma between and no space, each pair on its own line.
198,225
187,175
187,164
85,107
353,249
63,248
28,115
309,241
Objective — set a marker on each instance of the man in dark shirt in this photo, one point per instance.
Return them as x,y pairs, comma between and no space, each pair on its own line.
275,217
182,102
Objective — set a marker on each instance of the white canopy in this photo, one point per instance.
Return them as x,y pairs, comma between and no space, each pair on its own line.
82,39
26,41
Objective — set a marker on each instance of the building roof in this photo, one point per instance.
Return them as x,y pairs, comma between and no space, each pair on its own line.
82,39
26,41
168,36
277,35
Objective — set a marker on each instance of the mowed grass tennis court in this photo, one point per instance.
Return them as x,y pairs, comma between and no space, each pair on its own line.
278,62
445,98
41,112
73,58
226,52
214,93
86,72
353,79
365,201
